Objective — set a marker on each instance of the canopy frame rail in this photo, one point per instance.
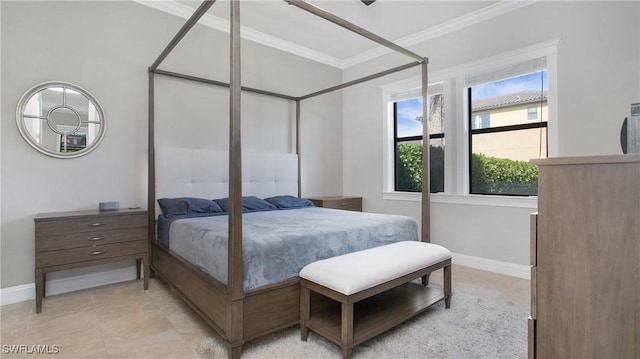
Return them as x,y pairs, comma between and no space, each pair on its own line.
361,80
284,96
191,22
302,4
221,84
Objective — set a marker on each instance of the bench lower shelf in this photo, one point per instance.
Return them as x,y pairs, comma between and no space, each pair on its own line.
375,315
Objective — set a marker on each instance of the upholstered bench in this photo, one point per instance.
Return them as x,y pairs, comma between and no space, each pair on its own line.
375,288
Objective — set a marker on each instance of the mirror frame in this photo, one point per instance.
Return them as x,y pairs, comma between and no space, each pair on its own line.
26,97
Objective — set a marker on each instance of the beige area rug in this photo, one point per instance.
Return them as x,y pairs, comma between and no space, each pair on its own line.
487,319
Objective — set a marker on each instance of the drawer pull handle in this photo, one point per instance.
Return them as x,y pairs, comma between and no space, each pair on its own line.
95,253
96,224
93,239
343,204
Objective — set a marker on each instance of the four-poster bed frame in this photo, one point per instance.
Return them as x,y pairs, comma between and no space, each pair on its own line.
239,315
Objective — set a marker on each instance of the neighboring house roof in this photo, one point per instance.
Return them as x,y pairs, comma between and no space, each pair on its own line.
516,98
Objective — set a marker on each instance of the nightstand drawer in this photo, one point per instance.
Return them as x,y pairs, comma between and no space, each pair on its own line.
86,254
351,204
346,203
89,224
88,239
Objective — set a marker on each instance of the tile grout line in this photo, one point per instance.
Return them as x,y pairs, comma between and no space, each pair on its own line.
104,344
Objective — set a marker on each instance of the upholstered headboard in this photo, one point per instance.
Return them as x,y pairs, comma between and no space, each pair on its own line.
204,173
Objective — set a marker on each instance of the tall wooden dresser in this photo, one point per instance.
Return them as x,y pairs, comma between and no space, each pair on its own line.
585,258
67,240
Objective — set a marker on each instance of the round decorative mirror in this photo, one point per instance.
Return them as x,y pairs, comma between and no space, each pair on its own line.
60,119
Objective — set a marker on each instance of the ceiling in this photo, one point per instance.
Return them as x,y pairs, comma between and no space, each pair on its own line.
288,28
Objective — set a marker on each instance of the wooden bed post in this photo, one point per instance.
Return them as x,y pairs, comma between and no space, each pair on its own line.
151,170
298,147
235,332
426,165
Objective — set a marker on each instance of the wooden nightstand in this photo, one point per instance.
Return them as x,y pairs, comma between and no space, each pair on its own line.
339,202
67,240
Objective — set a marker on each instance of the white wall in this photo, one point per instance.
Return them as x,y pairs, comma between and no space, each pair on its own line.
598,79
106,48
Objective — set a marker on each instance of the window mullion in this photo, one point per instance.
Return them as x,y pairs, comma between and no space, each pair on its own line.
395,146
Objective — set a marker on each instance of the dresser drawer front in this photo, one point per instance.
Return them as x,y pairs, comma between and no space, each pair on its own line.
88,239
351,204
89,224
87,254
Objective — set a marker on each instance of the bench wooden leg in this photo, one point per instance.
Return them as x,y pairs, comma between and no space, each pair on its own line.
447,287
234,352
425,279
347,330
305,308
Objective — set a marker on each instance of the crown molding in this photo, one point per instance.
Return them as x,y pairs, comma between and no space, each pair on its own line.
217,23
487,13
220,24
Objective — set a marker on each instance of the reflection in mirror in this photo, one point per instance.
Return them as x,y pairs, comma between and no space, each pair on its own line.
60,119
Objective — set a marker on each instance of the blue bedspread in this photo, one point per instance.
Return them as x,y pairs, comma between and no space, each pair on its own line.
278,244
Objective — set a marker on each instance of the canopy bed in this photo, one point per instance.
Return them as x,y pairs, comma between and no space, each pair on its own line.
237,305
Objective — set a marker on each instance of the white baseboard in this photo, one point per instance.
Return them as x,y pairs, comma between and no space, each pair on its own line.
26,292
19,293
490,265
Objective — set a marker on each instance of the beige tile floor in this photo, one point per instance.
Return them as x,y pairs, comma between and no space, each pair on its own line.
114,321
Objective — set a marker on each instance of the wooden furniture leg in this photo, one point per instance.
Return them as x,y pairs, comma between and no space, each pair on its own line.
347,330
447,287
142,269
39,289
235,352
305,308
138,267
145,270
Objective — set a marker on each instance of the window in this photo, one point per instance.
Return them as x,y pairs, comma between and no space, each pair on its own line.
489,143
481,121
407,115
500,151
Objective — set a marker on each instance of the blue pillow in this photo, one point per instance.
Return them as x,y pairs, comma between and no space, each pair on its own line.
249,203
287,201
186,205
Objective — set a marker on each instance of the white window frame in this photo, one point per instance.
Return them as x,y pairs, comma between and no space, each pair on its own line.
456,128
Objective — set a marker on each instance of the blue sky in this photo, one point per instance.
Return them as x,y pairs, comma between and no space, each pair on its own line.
408,110
515,84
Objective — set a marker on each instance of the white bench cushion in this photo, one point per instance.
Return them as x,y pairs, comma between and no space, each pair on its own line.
357,271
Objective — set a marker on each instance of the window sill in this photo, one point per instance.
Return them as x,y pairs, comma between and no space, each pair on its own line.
468,199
